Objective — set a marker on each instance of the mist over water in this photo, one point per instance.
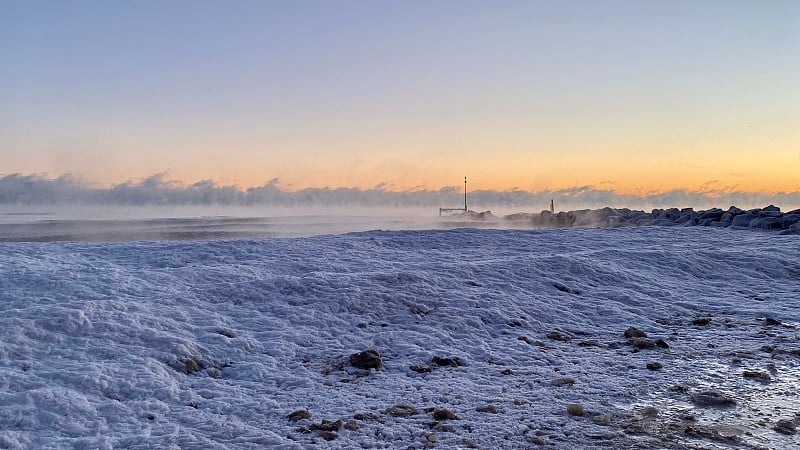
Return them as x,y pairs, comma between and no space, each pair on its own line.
106,224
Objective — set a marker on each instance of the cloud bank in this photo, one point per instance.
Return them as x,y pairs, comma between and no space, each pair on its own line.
157,190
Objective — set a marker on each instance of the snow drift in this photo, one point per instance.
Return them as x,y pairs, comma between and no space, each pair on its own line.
486,338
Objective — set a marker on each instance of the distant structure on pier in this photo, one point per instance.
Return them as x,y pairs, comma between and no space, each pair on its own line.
552,207
464,209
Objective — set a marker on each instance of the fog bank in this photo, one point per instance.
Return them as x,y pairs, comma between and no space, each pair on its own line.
157,190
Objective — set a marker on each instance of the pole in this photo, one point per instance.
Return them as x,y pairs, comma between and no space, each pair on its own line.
465,194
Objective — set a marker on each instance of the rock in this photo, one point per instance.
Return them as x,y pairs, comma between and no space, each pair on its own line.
419,368
507,372
429,439
701,321
575,409
401,410
559,336
602,419
300,414
486,409
327,425
366,416
712,398
642,342
563,381
368,359
191,366
590,343
469,443
443,414
633,332
789,219
758,376
654,366
328,435
771,321
538,440
351,425
451,361
650,411
785,426
743,220
661,343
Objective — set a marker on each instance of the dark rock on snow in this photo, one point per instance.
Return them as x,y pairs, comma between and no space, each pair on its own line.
447,361
633,332
368,359
443,414
300,414
712,398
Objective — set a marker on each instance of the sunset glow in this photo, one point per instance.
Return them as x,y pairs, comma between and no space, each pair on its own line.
628,96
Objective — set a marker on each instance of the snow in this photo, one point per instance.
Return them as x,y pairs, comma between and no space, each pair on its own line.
213,343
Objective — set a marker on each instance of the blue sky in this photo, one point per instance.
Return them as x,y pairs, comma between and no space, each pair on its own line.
356,93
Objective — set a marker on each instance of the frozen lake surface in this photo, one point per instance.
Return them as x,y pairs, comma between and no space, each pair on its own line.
215,343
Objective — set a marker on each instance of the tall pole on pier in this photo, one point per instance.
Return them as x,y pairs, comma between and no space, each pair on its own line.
465,194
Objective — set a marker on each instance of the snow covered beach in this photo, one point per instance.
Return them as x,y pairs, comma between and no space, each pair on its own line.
247,343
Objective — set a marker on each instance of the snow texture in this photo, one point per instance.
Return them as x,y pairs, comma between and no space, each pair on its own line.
213,344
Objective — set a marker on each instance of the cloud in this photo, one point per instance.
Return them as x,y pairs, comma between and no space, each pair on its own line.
35,189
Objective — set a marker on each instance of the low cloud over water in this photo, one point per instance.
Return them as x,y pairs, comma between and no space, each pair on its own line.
34,189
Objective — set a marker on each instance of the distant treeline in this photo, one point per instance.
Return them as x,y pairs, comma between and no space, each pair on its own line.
19,189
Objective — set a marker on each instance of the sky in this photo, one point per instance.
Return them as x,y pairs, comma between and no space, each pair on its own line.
628,96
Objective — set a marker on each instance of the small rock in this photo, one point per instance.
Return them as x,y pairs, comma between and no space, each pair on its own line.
191,366
602,419
351,425
442,427
758,376
701,321
559,336
443,361
328,435
633,332
507,372
654,366
785,426
661,343
429,439
327,425
771,321
575,409
538,440
151,417
226,333
650,411
366,416
368,359
443,414
590,343
401,410
469,443
419,368
300,414
486,409
642,342
712,398
563,381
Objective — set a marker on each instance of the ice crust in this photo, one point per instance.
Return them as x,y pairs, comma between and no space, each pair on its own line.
212,344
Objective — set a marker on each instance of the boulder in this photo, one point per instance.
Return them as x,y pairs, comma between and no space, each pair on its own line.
714,213
743,220
789,219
